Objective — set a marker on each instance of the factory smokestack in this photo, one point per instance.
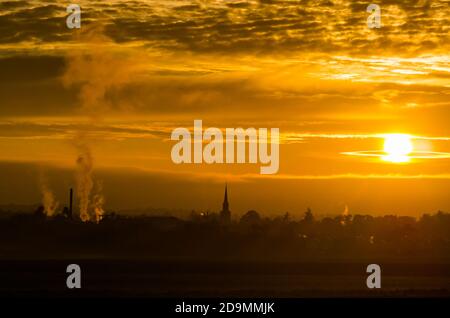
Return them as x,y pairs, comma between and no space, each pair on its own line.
70,202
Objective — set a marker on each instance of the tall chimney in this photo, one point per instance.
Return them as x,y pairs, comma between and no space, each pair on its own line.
70,203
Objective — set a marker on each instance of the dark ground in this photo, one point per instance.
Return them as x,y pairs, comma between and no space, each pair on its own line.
127,278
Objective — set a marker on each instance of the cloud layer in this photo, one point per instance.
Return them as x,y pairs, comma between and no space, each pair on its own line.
311,68
229,26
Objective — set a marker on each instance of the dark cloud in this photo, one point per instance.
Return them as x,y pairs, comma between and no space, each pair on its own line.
31,85
8,5
27,129
30,68
242,26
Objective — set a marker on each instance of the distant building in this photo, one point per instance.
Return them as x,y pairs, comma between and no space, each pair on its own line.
225,214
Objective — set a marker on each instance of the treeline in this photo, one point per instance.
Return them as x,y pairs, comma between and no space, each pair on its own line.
252,237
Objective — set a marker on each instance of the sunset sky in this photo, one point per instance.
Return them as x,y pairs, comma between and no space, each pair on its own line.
138,69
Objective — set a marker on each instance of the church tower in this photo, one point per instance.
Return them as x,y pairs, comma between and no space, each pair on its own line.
225,214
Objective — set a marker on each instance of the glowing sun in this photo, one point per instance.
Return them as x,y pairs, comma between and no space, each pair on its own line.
397,148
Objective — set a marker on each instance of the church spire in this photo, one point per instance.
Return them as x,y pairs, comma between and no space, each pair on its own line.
225,199
225,214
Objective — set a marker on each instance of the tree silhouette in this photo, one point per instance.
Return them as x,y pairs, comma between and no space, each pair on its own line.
309,217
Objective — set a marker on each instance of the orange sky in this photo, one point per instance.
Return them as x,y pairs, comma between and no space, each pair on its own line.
138,69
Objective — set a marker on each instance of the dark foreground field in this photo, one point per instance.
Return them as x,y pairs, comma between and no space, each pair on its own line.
114,278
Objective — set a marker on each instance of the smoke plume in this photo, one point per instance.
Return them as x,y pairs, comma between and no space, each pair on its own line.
97,203
84,180
344,217
48,198
95,70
